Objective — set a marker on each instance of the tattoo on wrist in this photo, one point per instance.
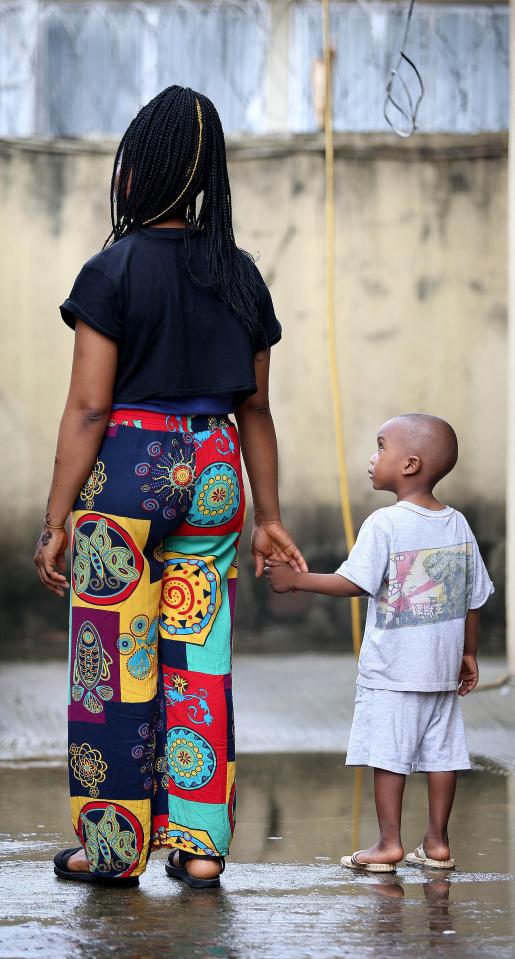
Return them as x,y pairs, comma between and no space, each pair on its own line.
50,525
45,537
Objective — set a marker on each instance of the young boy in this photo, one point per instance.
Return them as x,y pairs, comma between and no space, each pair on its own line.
419,563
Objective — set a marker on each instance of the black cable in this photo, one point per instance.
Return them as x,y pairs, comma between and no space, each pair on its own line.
409,114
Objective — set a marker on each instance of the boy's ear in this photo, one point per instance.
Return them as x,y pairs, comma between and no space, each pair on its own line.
411,466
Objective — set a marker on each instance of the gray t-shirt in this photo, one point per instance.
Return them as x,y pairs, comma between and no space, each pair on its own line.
423,571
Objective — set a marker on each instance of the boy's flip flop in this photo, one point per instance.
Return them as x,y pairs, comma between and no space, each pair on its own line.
61,870
180,872
351,862
419,858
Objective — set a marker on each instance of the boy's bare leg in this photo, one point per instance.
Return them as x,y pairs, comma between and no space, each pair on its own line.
389,790
441,788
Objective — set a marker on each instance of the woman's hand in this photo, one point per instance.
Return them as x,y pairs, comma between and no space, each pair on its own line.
271,541
49,559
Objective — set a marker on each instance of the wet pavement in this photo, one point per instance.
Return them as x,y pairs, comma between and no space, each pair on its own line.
284,893
282,703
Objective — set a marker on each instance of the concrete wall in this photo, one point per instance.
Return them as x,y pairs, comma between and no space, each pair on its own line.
421,312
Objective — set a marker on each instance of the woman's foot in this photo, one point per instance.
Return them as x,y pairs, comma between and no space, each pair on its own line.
79,870
381,853
78,862
199,868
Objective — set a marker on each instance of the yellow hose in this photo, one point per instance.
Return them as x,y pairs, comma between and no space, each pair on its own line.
331,333
333,368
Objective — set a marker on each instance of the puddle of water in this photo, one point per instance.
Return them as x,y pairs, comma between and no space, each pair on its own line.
284,894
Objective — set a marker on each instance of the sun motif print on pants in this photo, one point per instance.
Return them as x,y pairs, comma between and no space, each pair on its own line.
154,569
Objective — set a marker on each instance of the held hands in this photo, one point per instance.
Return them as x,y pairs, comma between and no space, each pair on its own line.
469,674
271,543
280,577
49,559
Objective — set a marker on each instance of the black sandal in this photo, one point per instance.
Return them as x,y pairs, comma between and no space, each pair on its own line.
61,870
180,872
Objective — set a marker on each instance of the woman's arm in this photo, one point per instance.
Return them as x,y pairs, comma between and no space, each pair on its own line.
259,448
80,434
282,579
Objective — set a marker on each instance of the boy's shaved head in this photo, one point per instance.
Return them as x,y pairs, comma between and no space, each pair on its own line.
430,438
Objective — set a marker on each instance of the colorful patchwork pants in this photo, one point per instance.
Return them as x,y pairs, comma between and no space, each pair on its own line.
155,532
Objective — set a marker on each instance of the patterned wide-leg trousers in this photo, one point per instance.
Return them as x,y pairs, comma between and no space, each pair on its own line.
155,532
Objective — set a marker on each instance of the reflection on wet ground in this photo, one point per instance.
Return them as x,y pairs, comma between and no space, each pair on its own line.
284,894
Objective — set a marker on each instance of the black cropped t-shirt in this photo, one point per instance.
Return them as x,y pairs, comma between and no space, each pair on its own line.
176,338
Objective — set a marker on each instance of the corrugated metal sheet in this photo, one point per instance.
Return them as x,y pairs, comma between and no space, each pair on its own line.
462,53
84,68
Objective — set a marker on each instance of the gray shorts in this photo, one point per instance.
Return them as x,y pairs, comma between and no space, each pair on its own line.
407,732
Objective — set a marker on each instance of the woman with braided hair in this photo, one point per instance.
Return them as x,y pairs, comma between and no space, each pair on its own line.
173,329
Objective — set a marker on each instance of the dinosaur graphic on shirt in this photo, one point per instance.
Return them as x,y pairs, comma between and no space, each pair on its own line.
426,586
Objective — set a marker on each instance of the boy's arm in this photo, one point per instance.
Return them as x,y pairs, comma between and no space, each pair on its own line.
469,673
366,564
283,579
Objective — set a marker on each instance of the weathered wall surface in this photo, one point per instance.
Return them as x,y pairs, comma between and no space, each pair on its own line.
421,313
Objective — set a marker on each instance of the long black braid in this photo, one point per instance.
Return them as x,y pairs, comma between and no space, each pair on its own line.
173,150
